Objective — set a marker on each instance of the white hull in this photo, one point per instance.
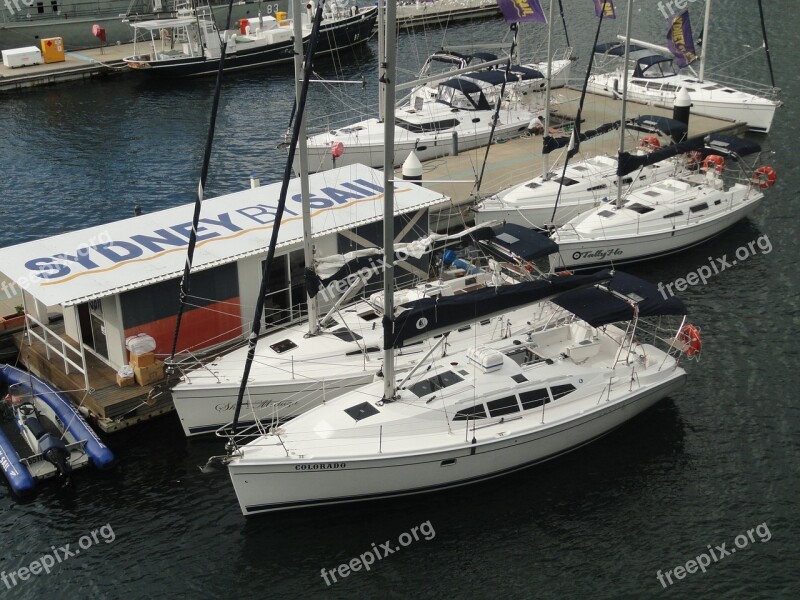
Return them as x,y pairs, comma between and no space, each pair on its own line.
619,249
262,488
733,105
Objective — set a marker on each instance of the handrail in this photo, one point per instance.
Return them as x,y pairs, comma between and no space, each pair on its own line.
32,321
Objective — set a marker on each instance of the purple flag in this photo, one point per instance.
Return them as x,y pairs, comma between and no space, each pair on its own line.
679,39
516,11
604,9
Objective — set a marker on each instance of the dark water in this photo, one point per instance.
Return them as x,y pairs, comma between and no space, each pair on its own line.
708,464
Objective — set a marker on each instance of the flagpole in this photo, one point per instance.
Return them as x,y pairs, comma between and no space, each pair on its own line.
628,19
706,23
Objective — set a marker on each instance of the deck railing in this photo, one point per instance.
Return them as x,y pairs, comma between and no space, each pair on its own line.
55,344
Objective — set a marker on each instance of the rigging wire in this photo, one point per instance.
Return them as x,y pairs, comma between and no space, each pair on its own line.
307,68
185,283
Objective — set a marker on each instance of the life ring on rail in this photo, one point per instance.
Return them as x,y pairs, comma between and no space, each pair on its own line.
690,335
764,177
694,158
529,267
650,142
714,161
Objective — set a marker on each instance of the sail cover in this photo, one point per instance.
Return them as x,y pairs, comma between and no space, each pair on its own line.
598,306
428,317
658,124
628,163
550,143
515,240
730,145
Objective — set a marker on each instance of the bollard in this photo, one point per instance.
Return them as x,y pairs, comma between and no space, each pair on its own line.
412,169
455,143
680,112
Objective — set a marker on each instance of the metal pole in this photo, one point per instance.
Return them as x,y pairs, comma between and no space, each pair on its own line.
706,23
381,55
548,86
628,19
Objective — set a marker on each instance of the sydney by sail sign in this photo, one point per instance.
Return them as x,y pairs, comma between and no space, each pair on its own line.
99,261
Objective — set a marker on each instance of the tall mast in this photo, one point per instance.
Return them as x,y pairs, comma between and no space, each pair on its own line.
381,56
628,19
706,23
302,147
388,69
548,86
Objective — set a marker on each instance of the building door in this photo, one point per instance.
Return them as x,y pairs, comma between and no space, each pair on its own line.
93,330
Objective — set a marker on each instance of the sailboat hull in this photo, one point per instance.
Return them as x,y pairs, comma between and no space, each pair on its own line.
577,253
271,487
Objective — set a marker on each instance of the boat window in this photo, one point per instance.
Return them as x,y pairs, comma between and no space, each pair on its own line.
437,382
560,391
369,315
688,89
519,378
717,202
668,87
503,406
346,335
640,208
533,185
677,213
579,168
361,411
566,181
627,180
473,412
534,398
283,346
605,213
427,127
713,86
602,186
698,207
359,351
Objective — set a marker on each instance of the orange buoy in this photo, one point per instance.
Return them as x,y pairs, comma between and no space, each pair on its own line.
693,158
764,177
690,335
337,149
714,161
650,142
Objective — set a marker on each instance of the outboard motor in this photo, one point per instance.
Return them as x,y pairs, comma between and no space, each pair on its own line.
51,448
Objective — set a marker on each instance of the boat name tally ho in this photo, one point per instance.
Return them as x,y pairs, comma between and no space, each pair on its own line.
120,279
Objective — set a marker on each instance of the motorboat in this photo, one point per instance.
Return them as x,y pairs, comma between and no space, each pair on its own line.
50,438
191,45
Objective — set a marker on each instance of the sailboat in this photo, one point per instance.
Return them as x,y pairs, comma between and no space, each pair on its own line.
477,414
654,80
469,106
670,215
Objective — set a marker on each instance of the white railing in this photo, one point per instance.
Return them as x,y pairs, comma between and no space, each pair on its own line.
54,343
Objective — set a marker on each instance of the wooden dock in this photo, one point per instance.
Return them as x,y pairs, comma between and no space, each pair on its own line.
441,12
109,406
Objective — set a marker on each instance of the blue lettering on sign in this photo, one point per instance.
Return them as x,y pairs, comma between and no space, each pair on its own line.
176,236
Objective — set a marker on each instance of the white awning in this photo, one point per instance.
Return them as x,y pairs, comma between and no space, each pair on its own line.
100,261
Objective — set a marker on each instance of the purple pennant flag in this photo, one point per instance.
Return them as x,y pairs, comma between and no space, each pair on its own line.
516,11
679,39
604,9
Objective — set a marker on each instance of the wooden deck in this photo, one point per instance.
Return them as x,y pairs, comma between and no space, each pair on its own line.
112,407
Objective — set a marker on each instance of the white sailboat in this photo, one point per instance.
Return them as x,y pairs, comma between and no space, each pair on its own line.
476,414
667,216
447,111
654,80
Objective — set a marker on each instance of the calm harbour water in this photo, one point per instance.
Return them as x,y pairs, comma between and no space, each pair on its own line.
702,467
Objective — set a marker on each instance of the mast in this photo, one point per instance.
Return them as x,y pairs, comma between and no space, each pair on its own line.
628,19
706,23
548,86
388,69
381,56
302,147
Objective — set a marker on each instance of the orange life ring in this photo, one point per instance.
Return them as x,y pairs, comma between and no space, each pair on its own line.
716,160
690,335
650,142
695,157
764,177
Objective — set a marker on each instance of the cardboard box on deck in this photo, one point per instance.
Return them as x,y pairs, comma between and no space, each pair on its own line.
125,381
142,360
150,374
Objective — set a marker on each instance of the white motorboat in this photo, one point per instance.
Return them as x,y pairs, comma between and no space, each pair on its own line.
477,414
294,371
665,217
